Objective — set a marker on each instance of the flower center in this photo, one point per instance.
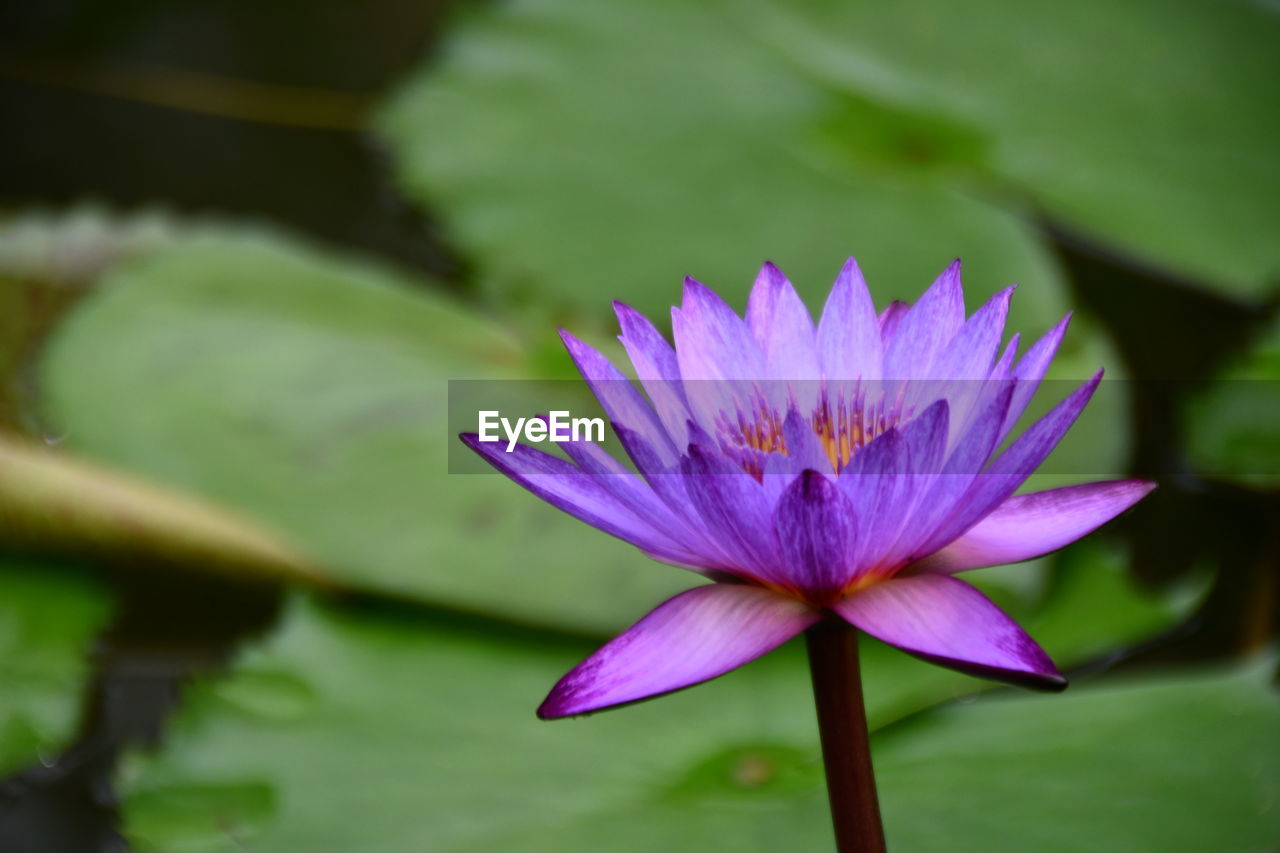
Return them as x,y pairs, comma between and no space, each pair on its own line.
842,422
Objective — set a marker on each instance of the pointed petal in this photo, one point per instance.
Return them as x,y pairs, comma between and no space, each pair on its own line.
636,494
580,494
941,496
1012,467
924,441
877,483
814,528
690,638
803,448
971,444
972,351
656,365
734,509
720,361
712,341
1028,526
781,325
1002,367
671,487
620,399
890,319
1031,368
849,341
945,621
927,328
926,438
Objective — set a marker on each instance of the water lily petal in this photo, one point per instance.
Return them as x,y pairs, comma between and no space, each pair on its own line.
582,495
1011,468
849,340
1031,368
940,495
693,637
814,529
635,493
656,366
712,341
735,509
1004,365
782,327
890,319
804,450
972,351
620,399
878,485
946,621
924,442
927,328
1028,526
670,486
926,437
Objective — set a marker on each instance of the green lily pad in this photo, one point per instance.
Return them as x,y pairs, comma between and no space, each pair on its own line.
405,736
584,152
309,392
1186,762
48,619
589,151
1092,110
1234,423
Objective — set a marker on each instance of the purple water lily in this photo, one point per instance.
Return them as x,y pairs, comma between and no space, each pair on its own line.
848,469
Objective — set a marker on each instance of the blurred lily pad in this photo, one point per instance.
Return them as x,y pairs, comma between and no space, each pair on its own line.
590,151
48,619
587,151
428,735
1185,762
309,392
1234,423
1148,125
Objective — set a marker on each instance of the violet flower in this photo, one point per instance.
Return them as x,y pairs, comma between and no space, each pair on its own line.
845,469
867,505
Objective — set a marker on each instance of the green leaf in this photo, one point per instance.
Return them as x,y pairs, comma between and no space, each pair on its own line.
1092,110
1234,423
344,729
587,151
48,619
309,392
1186,762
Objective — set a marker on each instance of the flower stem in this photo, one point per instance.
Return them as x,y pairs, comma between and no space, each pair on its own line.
842,723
